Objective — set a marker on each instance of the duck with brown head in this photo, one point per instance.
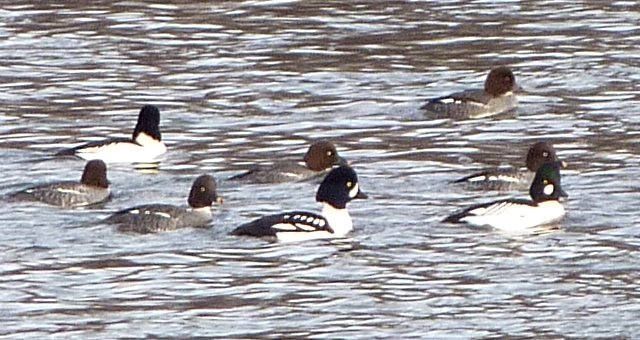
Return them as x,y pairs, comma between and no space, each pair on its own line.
512,177
152,218
93,188
321,157
497,96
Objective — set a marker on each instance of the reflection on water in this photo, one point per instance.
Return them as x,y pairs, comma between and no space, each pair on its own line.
240,83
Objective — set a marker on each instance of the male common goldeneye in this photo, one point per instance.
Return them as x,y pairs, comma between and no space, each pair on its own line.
336,190
93,188
153,218
520,214
496,97
512,178
320,156
145,145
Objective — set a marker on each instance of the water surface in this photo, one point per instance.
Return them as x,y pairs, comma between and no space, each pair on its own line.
240,83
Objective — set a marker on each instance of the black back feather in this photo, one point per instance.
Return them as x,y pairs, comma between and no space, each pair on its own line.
263,227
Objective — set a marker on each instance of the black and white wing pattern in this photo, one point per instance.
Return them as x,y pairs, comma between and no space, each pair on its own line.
290,222
468,96
93,146
64,194
504,178
147,218
281,172
458,105
510,208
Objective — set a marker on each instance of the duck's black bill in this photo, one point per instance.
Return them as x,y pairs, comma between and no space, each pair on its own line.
341,161
361,195
563,194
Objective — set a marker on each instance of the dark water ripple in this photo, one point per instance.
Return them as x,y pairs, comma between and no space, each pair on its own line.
244,82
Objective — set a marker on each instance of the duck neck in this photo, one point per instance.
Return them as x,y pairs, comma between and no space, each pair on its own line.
339,219
146,139
202,210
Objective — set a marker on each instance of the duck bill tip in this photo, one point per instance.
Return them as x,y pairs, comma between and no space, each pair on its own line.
341,161
361,195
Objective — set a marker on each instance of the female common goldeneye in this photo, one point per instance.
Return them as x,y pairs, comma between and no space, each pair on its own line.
519,214
496,97
93,188
145,146
320,156
512,178
153,218
336,190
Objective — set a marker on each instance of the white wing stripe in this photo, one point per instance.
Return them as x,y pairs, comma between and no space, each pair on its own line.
305,227
502,208
284,227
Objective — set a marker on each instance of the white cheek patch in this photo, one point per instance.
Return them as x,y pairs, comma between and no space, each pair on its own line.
354,191
548,189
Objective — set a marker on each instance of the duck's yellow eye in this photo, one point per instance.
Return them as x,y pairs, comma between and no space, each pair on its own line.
545,182
329,153
203,189
349,184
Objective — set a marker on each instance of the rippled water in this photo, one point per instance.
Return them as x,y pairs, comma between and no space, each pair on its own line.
243,82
